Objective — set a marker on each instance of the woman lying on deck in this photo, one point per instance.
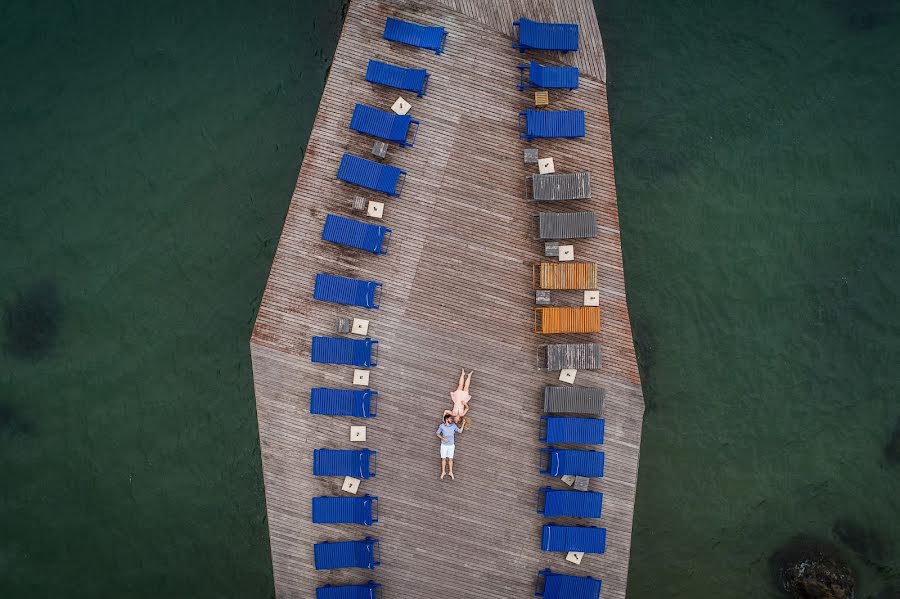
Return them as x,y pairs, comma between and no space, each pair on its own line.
460,397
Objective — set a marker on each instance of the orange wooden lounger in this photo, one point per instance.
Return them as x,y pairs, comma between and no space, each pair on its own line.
566,319
564,275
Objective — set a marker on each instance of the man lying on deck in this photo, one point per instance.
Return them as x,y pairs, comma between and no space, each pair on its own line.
445,433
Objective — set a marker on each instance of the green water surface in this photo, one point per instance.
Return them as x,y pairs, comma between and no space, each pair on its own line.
148,155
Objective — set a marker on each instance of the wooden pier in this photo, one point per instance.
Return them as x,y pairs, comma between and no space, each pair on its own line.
458,291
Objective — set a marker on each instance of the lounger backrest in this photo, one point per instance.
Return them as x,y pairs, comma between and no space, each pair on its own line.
547,36
589,539
573,400
382,73
577,504
343,510
340,350
581,356
554,123
567,225
413,34
570,429
567,275
565,586
379,123
353,233
342,402
369,174
550,77
343,462
355,591
557,187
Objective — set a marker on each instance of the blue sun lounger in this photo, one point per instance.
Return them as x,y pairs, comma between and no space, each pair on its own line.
358,463
534,35
359,403
577,504
356,234
339,350
347,291
371,175
590,539
412,34
411,80
386,125
364,553
551,585
565,429
551,123
370,590
345,510
548,77
577,462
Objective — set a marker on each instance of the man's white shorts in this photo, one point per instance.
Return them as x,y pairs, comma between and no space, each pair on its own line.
447,451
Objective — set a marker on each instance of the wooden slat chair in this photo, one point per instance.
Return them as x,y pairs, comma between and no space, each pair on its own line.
564,275
556,187
567,319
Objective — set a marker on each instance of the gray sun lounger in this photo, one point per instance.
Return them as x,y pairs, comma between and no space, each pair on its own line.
573,400
558,187
566,225
581,356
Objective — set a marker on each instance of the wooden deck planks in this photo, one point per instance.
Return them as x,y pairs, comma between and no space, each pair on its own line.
457,291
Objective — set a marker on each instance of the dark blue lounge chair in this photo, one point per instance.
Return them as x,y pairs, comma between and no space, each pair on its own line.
565,429
359,403
551,123
358,463
412,34
534,35
551,585
589,539
370,590
577,504
577,462
340,350
344,290
386,125
548,77
364,553
374,175
345,510
356,234
411,80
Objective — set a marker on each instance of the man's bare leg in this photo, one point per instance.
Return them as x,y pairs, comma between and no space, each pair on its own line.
451,468
444,468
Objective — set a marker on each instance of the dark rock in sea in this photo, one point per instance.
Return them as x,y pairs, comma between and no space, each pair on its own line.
32,320
808,568
892,448
12,423
644,351
864,541
865,15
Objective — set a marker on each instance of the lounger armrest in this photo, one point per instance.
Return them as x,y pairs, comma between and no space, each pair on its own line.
400,181
374,510
522,68
408,143
529,187
541,357
373,354
385,241
534,275
443,43
537,319
372,463
539,584
376,297
373,404
543,430
425,85
377,588
523,130
545,459
542,496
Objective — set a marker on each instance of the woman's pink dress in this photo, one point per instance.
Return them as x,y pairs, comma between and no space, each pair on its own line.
460,402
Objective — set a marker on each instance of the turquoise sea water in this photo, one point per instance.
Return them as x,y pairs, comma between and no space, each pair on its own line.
147,161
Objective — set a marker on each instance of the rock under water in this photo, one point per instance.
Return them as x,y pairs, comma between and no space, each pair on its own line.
864,541
33,319
892,447
808,568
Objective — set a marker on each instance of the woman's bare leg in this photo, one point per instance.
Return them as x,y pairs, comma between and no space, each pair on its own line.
462,378
465,386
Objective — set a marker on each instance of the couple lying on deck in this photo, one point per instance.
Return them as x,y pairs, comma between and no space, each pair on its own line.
449,428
